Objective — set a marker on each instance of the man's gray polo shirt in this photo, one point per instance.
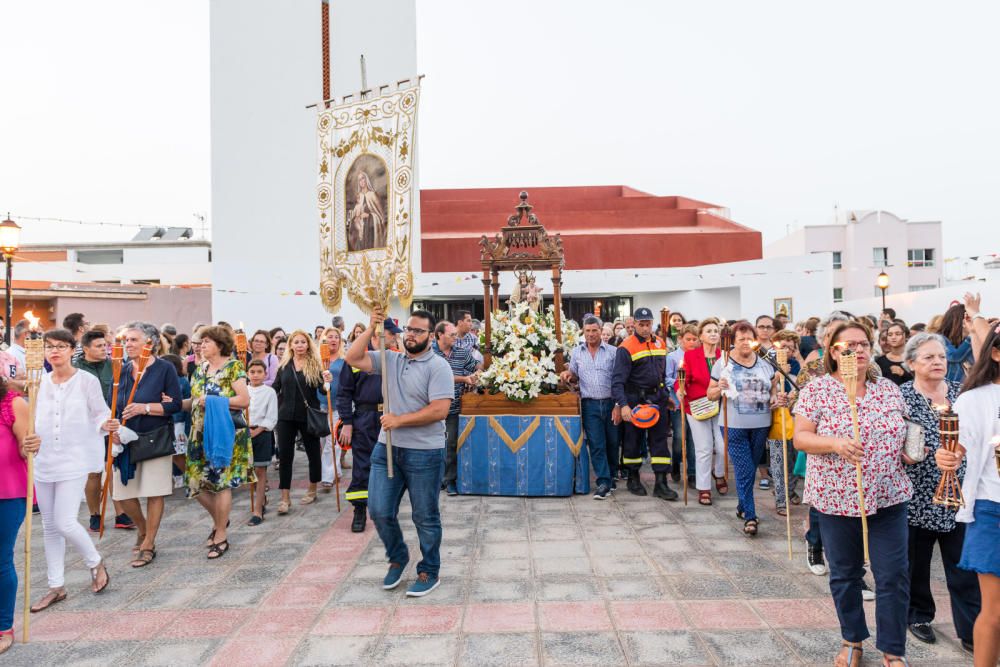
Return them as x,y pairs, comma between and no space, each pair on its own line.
413,384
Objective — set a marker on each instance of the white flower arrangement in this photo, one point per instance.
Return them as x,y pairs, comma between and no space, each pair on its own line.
524,346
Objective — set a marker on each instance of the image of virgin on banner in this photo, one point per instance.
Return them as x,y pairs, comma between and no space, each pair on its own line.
366,202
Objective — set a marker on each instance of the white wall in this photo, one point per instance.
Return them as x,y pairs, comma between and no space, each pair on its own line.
265,68
914,307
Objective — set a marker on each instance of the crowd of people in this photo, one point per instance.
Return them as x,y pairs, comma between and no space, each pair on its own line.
739,394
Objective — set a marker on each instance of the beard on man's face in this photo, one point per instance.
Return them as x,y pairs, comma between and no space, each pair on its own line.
413,347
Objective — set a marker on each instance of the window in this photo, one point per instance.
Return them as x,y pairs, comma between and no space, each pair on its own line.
920,257
838,294
922,288
837,260
880,257
100,256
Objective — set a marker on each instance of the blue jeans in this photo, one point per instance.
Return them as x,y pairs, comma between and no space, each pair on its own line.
888,537
602,438
418,471
813,536
11,518
745,448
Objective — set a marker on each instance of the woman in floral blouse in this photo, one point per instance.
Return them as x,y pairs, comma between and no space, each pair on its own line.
218,375
823,429
927,359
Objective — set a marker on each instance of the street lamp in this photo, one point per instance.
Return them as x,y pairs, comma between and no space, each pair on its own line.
10,239
883,284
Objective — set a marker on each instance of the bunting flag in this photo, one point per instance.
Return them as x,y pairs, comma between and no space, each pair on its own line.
365,196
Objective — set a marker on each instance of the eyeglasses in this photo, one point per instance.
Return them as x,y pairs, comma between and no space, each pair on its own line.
764,326
60,348
855,345
414,331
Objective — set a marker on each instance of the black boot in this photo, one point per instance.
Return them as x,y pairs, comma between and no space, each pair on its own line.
360,518
660,488
634,485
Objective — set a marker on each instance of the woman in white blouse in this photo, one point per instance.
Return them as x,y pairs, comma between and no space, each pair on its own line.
978,409
71,420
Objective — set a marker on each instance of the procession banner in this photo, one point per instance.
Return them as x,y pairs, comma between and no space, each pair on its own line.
365,197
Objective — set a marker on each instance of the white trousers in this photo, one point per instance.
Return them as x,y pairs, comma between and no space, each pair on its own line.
707,442
59,503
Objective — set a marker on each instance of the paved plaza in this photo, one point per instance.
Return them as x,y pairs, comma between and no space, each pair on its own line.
539,581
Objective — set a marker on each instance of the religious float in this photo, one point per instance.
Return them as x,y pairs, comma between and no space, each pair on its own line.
523,436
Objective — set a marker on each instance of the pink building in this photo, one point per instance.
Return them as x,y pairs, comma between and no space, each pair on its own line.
862,244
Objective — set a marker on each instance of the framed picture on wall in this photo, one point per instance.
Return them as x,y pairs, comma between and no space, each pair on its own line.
783,306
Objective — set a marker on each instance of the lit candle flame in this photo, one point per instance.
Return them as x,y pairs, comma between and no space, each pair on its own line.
754,345
941,408
241,326
30,316
995,441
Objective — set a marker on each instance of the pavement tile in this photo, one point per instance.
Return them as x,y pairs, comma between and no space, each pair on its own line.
648,615
561,566
627,588
351,621
767,586
818,645
142,625
60,626
512,590
736,544
425,620
757,647
225,596
628,547
501,568
416,650
293,596
499,651
320,651
172,653
559,549
318,572
504,550
630,566
664,648
501,617
555,590
573,616
579,649
796,614
706,587
205,623
721,614
286,623
98,654
246,650
367,592
34,653
165,598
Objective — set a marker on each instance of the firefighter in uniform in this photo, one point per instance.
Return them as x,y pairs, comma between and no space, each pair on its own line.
638,378
359,404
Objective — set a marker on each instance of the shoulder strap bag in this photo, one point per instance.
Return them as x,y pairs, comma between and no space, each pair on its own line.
317,424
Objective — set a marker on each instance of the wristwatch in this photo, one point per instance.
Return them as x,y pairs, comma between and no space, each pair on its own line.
147,408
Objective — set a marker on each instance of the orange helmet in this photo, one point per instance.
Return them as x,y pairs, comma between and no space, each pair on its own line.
336,436
645,415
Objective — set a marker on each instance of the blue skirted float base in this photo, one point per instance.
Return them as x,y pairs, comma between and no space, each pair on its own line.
522,455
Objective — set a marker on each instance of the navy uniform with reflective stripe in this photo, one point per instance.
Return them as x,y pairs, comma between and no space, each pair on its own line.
638,377
359,400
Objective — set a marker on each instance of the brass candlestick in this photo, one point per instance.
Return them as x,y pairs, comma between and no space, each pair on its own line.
949,490
325,358
117,357
727,346
781,356
240,344
681,380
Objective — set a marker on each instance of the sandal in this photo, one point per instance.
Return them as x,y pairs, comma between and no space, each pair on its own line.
94,571
6,640
145,557
255,520
327,487
211,537
218,550
283,507
704,497
49,599
308,499
721,485
849,661
750,527
898,659
795,499
139,539
781,511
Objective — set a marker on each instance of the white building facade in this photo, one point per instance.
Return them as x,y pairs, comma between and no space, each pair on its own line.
862,244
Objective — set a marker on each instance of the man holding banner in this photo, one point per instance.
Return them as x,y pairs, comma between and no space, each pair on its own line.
420,392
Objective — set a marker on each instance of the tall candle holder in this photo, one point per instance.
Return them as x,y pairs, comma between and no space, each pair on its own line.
34,366
949,490
848,365
681,382
781,357
727,346
117,357
326,356
241,346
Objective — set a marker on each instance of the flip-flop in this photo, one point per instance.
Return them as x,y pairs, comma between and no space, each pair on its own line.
49,599
93,576
146,557
4,645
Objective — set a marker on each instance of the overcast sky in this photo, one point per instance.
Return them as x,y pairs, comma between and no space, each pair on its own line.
777,110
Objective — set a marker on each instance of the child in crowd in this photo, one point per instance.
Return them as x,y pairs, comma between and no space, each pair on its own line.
263,417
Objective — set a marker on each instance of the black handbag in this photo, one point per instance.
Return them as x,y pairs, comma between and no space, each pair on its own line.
152,444
317,425
239,419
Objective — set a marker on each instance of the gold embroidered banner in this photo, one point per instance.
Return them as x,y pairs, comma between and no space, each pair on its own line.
365,198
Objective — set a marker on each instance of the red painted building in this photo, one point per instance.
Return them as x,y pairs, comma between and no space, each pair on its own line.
602,227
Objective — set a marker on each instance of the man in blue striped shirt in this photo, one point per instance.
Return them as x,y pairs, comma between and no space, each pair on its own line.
463,368
593,362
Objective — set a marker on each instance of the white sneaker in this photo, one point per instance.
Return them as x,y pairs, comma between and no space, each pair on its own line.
814,559
867,594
